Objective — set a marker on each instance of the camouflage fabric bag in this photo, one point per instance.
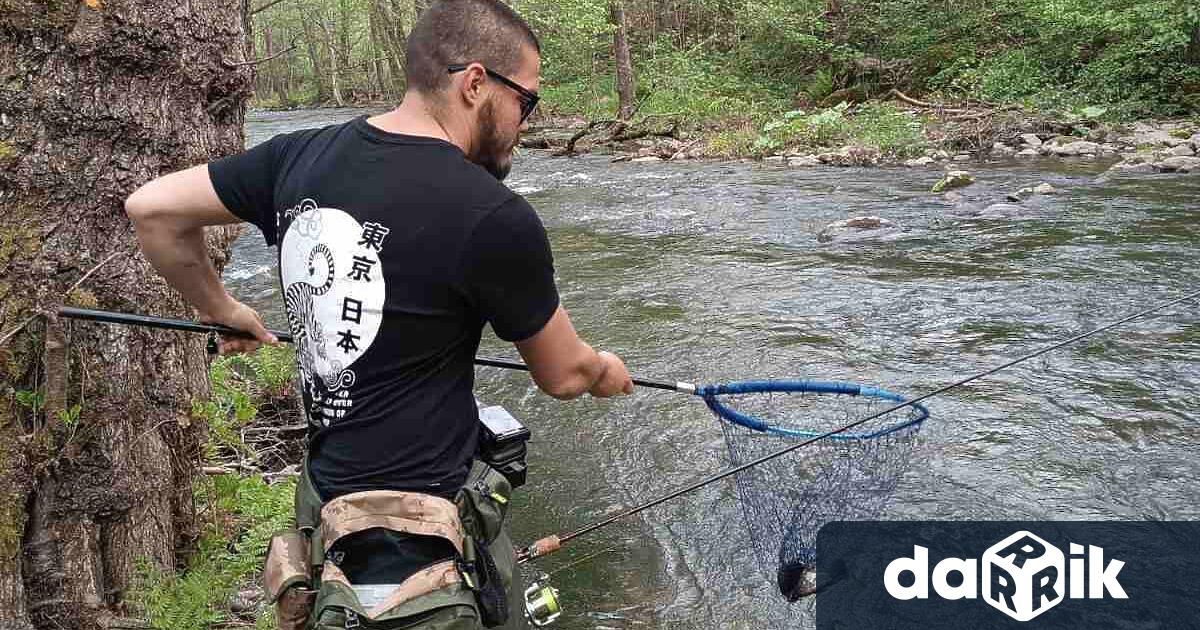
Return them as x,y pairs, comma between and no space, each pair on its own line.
288,580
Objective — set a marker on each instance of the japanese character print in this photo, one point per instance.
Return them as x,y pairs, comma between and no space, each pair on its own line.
334,292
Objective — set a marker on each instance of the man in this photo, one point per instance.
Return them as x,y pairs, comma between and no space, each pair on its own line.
397,243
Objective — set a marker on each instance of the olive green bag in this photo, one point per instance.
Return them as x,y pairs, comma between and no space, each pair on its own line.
474,590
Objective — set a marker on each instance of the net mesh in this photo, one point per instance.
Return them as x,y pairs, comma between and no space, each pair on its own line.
848,477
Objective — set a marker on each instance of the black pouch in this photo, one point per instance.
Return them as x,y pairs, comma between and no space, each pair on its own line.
490,592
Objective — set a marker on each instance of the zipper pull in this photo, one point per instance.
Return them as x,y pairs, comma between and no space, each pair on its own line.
351,619
495,496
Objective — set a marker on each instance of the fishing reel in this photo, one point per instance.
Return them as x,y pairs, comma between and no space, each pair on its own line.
542,607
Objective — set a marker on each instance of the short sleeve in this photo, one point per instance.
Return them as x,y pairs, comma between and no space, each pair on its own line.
245,183
509,271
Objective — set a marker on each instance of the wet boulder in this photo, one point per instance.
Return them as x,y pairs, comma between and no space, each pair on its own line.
1079,147
1182,150
854,225
1180,164
1030,140
1027,192
953,179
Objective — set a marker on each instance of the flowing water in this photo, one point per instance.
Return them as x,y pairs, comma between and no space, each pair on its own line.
712,271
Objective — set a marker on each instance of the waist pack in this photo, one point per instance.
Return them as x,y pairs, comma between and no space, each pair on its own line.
467,591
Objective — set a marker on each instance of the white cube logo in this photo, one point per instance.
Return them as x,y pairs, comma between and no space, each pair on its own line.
1023,576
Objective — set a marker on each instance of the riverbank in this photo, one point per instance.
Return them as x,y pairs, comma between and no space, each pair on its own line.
900,133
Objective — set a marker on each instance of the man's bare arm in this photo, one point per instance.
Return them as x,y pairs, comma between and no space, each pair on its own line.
169,214
565,367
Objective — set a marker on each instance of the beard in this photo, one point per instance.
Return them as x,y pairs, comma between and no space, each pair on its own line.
492,152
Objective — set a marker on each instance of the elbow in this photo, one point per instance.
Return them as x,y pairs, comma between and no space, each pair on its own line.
137,207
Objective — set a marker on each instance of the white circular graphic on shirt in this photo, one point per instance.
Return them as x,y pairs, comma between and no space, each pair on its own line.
334,291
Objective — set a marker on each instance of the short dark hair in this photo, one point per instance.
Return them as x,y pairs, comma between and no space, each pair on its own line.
465,31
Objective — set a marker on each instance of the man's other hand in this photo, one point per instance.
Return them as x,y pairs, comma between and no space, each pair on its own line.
615,378
241,317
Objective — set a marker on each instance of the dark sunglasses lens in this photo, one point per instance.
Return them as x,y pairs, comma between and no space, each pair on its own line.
527,107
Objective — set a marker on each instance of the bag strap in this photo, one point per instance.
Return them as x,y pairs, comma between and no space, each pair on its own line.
308,518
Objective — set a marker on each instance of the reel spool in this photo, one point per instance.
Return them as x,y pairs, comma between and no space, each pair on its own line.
541,603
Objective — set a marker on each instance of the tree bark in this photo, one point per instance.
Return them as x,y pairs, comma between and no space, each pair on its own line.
96,98
624,66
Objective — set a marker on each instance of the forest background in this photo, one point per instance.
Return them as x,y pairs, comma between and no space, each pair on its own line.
753,61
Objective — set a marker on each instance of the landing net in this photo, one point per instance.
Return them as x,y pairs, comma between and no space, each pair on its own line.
846,476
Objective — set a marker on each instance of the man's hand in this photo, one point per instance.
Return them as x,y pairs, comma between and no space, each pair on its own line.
241,317
615,378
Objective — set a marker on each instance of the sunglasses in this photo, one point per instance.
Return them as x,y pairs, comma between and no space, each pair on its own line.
529,100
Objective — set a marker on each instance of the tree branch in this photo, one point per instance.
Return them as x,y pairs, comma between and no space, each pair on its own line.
252,62
265,6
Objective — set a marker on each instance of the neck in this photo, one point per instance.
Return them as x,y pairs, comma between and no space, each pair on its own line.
415,117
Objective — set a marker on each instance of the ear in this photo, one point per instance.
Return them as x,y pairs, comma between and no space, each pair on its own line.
472,85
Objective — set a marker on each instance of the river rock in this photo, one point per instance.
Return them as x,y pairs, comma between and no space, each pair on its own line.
774,158
1195,141
853,224
1138,168
1028,153
851,156
921,161
1025,193
1080,147
804,161
962,157
1002,150
939,155
953,179
1144,134
1031,139
1181,163
1184,150
646,159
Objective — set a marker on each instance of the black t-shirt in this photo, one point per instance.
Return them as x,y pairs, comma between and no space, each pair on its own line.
394,251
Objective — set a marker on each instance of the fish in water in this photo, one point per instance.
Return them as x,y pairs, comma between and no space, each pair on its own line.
797,580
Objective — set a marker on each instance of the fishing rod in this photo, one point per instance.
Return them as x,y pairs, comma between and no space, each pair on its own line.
553,543
148,321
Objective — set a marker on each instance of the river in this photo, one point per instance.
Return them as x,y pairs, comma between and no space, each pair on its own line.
712,271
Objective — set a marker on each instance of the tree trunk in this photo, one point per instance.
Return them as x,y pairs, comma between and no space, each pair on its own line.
97,98
265,83
314,44
625,85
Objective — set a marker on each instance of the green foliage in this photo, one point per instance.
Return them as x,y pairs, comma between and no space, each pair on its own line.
701,87
245,512
708,58
241,383
734,142
893,132
817,86
30,399
69,417
879,126
240,513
